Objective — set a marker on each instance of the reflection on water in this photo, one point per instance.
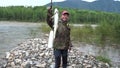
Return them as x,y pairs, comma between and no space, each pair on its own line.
13,33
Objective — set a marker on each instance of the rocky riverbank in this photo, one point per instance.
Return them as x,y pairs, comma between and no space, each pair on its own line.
34,53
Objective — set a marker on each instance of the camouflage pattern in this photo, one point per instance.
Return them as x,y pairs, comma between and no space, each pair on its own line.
62,38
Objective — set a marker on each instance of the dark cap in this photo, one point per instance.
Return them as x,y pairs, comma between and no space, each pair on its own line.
65,12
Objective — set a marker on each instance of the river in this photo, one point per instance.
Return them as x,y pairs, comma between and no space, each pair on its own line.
13,33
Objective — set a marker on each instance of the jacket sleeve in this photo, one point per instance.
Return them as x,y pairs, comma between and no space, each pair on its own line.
49,18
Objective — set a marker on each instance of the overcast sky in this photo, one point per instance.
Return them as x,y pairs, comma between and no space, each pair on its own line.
30,2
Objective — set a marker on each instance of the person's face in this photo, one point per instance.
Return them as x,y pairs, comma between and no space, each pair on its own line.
65,17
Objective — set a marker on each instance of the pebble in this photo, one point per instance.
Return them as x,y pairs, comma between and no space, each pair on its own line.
34,53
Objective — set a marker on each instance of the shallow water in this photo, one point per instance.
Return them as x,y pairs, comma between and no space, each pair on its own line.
13,33
108,52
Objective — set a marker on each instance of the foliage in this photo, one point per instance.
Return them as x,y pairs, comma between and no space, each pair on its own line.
100,35
108,30
103,32
116,32
83,33
38,14
45,28
21,13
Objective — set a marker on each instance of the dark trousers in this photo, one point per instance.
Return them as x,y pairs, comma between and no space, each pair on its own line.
58,55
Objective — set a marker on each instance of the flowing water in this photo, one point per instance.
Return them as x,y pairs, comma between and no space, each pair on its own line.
13,33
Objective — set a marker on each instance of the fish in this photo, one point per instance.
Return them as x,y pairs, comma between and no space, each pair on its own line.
52,33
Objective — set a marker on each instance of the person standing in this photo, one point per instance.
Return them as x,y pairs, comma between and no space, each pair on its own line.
62,42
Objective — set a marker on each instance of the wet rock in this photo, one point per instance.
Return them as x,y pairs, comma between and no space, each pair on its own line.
34,53
7,55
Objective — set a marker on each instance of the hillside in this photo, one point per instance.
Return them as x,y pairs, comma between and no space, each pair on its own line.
100,5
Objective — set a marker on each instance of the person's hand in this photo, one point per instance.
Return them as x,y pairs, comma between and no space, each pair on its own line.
49,9
70,47
49,12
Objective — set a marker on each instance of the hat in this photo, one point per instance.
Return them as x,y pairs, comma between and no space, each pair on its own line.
65,12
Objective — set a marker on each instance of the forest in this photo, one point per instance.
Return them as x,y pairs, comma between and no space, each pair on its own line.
38,14
108,30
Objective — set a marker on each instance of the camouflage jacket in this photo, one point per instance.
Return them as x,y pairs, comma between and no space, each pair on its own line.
62,38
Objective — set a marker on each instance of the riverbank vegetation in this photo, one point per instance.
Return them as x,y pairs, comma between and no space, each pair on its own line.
107,31
38,14
104,59
104,34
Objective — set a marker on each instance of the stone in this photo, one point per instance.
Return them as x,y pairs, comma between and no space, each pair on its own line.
34,53
26,65
43,65
12,64
7,55
18,61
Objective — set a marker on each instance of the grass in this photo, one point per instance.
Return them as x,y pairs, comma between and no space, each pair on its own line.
82,34
45,28
101,35
104,59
